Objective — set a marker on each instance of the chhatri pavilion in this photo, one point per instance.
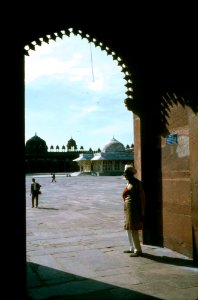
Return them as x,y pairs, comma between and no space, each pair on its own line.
110,161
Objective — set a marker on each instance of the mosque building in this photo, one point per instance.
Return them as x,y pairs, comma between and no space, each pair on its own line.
57,159
110,161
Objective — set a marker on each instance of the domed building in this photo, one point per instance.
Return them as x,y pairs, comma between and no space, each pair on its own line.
39,159
110,161
36,145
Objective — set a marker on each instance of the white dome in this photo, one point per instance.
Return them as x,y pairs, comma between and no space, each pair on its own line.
113,146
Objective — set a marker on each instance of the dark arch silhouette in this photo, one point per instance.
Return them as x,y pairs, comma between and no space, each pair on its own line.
160,50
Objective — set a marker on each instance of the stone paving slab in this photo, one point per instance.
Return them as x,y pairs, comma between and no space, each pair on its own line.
75,242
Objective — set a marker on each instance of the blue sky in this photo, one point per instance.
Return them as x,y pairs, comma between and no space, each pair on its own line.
74,89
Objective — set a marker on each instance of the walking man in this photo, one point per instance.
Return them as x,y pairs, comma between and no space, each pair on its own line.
35,191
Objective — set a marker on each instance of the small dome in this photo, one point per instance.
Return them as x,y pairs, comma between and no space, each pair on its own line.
71,144
36,145
113,146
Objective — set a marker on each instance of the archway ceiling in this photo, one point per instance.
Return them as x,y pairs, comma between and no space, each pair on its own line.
159,51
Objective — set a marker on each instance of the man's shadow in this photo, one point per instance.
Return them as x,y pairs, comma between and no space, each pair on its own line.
49,208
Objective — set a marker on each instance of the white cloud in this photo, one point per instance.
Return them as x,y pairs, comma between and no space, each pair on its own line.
80,113
51,66
96,85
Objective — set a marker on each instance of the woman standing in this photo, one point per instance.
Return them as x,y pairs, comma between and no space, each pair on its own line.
134,206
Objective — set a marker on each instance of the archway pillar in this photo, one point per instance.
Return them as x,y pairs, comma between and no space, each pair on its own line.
193,125
13,235
147,159
137,146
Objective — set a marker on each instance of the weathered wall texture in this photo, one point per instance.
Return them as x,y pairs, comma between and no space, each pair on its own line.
178,174
137,146
193,143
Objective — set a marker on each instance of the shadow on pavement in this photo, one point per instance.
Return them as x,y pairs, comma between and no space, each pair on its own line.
50,284
49,208
170,260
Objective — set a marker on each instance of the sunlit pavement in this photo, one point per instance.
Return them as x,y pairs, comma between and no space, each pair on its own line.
75,244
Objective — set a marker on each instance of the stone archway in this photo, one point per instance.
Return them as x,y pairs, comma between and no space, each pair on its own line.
150,122
159,63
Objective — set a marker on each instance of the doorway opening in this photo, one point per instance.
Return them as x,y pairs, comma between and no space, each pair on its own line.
74,91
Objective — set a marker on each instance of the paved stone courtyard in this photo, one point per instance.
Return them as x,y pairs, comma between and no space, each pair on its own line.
75,244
